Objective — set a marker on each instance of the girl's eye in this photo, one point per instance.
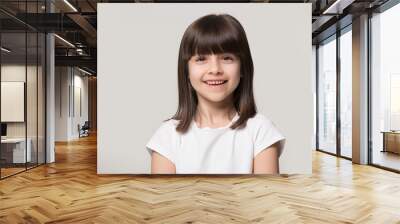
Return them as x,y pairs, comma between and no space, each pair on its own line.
200,58
228,58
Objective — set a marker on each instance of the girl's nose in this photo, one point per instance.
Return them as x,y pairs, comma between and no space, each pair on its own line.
215,65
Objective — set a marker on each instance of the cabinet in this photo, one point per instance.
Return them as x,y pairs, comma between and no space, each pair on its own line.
13,150
391,141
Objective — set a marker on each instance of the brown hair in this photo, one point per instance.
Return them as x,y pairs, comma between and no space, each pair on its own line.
215,34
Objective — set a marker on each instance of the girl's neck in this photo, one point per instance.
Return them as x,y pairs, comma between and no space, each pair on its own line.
214,117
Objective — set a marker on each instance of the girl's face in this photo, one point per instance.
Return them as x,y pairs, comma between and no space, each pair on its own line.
214,76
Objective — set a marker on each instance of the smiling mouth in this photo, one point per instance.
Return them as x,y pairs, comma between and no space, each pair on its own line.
216,82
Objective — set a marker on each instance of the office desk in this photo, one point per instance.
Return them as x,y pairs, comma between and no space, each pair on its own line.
391,141
15,148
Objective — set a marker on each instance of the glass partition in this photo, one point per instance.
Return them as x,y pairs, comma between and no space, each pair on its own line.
31,100
22,63
13,89
41,109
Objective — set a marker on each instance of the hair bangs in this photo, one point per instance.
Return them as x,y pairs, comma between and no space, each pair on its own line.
214,43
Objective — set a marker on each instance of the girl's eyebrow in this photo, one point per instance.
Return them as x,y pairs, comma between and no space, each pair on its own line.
229,54
221,54
226,53
197,56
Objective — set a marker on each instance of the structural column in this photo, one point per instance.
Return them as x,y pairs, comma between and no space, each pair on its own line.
50,92
360,90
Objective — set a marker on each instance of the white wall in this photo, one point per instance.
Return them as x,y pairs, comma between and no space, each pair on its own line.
137,86
80,84
61,103
68,81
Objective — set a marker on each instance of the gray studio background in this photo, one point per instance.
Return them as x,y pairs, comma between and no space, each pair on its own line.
137,75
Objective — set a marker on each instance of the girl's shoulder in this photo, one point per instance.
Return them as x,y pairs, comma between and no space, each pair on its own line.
258,119
261,123
166,130
169,123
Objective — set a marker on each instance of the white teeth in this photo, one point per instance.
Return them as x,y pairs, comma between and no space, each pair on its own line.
218,82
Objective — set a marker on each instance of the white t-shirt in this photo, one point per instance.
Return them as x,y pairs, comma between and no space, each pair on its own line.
214,150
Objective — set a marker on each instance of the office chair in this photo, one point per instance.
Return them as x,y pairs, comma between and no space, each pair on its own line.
84,130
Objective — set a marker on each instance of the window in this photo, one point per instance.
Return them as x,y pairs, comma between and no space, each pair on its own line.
327,96
346,93
385,88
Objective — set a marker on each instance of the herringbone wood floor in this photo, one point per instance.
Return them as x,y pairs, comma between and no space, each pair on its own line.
70,191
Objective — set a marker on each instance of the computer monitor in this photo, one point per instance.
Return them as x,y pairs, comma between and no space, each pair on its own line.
3,129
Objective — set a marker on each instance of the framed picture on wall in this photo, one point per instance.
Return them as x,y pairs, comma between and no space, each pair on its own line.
12,101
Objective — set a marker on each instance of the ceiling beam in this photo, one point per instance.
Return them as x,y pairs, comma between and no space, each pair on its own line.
84,24
85,61
337,6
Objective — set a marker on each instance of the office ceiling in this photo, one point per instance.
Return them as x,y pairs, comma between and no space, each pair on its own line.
76,22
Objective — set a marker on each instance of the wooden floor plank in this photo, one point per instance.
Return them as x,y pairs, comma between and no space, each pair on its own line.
70,191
